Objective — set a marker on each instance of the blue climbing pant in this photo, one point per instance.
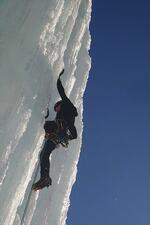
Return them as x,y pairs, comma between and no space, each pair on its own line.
48,147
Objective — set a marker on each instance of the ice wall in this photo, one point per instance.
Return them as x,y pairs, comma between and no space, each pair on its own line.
37,39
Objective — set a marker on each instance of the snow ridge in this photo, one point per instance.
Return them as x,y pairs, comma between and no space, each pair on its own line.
37,39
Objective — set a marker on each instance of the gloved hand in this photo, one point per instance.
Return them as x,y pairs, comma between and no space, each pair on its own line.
47,113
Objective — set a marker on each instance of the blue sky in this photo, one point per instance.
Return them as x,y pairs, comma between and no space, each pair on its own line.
113,183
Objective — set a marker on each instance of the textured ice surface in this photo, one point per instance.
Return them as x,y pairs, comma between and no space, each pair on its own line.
37,39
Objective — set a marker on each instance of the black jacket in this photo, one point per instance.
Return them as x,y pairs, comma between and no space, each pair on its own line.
68,111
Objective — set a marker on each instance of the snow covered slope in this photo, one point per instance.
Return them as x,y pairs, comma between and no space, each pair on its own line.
37,39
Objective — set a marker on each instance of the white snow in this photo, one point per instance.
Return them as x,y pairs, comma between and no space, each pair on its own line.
37,39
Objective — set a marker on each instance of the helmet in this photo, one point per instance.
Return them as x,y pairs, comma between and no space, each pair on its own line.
57,104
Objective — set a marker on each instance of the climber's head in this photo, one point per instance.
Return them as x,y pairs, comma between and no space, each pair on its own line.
57,106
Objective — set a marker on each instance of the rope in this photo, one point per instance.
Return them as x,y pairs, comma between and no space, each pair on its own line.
30,193
34,179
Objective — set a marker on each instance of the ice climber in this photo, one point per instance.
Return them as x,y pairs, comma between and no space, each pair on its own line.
57,132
